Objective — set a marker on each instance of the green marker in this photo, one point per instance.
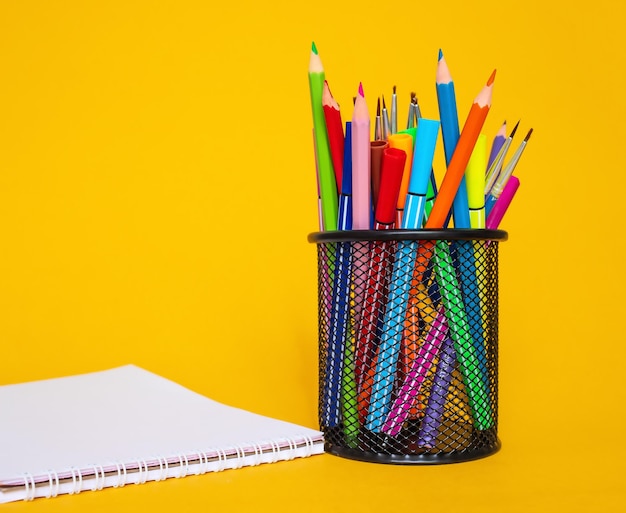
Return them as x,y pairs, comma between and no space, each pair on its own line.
469,364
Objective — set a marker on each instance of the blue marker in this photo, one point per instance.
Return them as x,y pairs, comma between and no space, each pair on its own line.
402,276
423,154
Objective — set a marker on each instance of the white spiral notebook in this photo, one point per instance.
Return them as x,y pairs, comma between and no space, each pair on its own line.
127,425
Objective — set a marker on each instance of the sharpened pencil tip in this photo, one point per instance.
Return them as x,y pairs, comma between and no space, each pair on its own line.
361,93
440,55
314,48
491,78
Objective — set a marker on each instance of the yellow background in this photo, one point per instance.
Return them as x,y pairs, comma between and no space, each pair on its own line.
157,187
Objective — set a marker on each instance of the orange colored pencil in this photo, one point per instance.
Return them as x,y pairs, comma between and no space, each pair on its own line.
462,153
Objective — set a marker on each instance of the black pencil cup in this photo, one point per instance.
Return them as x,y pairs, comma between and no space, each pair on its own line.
408,344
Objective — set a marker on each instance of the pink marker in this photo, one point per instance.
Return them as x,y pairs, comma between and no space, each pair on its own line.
502,204
417,374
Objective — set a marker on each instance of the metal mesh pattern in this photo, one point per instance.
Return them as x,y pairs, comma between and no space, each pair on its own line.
408,349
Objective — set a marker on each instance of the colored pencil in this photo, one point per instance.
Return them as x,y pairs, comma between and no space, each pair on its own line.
328,184
446,100
334,129
361,154
463,150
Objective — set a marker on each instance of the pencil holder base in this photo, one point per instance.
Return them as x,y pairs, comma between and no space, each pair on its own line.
408,345
412,459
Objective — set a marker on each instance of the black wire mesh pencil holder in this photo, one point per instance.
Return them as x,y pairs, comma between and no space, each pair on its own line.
408,344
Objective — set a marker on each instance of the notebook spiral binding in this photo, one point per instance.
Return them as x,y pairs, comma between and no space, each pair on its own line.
118,474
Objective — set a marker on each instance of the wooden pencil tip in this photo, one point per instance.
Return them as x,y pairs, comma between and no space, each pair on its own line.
314,48
491,78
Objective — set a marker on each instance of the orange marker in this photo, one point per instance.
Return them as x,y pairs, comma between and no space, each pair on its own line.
460,158
403,141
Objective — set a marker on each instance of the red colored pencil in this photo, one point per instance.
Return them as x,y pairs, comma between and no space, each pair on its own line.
334,128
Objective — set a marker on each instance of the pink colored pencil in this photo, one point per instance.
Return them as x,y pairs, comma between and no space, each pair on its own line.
361,155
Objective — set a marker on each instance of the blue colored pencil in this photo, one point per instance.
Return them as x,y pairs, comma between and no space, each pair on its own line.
450,132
